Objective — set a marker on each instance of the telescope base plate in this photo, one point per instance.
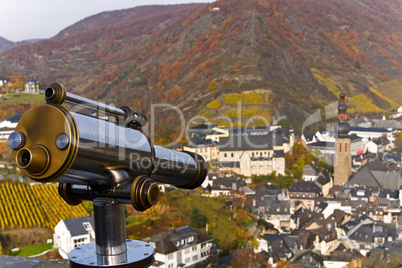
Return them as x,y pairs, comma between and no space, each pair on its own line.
139,254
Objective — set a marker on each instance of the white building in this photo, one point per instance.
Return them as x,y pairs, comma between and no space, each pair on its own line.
8,126
252,153
372,133
32,85
180,247
3,82
398,113
72,233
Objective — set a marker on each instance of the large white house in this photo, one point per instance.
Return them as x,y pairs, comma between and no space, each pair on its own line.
32,85
72,233
180,247
252,153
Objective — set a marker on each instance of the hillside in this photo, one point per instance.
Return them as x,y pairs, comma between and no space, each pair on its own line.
5,44
189,55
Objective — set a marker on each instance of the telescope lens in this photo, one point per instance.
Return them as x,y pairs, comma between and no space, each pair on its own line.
26,158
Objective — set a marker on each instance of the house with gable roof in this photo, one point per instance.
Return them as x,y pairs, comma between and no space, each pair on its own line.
305,192
32,85
72,233
310,173
223,186
277,213
324,181
279,247
341,254
181,247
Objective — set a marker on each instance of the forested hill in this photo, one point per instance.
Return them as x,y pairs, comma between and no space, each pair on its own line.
5,44
301,53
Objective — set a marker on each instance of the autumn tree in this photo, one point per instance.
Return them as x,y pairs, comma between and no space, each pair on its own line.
5,242
212,86
198,219
284,264
247,258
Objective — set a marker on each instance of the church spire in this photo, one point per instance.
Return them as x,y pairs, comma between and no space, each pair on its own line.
343,125
343,158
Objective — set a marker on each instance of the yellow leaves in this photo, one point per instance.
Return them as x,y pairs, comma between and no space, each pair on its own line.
363,104
247,113
215,104
326,81
252,99
233,99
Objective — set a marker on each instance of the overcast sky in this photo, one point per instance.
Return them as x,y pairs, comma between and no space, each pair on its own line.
31,19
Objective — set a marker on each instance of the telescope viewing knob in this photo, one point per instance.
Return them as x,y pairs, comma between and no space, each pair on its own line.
62,141
144,193
16,140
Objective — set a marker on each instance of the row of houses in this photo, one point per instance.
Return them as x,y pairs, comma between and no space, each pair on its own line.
315,220
367,135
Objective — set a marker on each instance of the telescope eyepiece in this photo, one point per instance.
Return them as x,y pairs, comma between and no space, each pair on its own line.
34,160
26,158
49,92
55,94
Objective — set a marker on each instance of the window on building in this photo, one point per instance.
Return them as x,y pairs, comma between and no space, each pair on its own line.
346,147
231,154
170,256
87,226
190,239
187,260
340,147
187,251
225,155
170,265
79,242
194,248
195,257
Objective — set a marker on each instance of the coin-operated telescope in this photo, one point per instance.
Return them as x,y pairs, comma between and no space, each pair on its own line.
105,159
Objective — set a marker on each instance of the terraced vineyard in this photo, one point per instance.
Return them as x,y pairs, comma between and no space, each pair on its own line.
40,205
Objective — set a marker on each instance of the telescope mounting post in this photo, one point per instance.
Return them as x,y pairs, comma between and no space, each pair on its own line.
111,247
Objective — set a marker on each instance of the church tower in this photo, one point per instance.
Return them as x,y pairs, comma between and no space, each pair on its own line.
343,158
